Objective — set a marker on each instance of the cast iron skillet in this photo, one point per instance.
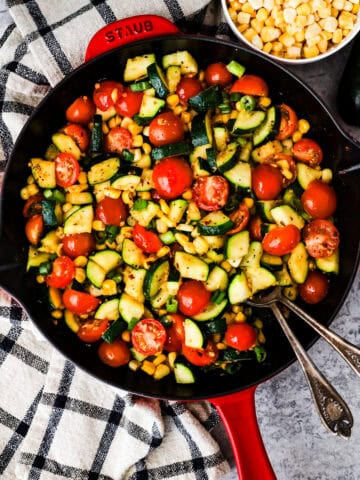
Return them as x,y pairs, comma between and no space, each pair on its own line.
233,395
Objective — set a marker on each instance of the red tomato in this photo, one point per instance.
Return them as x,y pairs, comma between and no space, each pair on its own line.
128,103
172,176
286,164
62,274
288,122
240,218
147,240
111,211
321,238
217,74
281,240
148,336
210,192
114,354
78,244
117,139
79,134
319,199
81,111
315,287
33,205
34,228
250,85
106,93
166,128
201,356
175,333
192,297
240,336
267,181
308,151
255,228
91,330
80,303
188,87
67,169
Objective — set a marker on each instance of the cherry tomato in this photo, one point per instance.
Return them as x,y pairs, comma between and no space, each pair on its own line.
319,199
91,330
33,205
172,176
250,85
288,122
63,272
147,240
78,244
321,238
240,218
192,297
106,93
67,169
210,192
287,166
34,228
281,240
240,336
217,74
128,103
175,333
148,336
166,128
80,303
111,211
81,111
114,354
255,228
188,87
117,139
308,151
315,287
267,181
79,134
201,356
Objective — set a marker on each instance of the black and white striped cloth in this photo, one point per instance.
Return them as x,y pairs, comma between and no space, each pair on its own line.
55,420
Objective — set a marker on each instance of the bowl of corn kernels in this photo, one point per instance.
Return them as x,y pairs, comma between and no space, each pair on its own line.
294,31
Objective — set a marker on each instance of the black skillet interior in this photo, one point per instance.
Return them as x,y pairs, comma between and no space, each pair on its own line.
49,116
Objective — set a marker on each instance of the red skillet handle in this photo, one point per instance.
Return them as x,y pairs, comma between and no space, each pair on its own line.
126,31
238,414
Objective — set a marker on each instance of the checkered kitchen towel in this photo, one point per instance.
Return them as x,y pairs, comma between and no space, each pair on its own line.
55,420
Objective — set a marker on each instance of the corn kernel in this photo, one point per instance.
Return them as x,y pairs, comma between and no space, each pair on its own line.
163,251
171,359
240,317
258,323
269,34
40,278
108,287
98,225
33,189
137,141
80,275
57,314
172,100
80,261
226,266
159,359
134,365
326,175
187,195
161,372
148,367
126,336
24,194
221,346
201,245
296,136
247,8
261,337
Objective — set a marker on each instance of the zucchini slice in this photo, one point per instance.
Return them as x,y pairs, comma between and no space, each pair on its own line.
173,77
213,310
228,158
155,277
80,221
43,172
182,58
268,127
329,264
201,130
286,215
264,207
96,134
239,290
65,143
217,280
132,254
183,374
298,263
209,98
237,246
259,278
193,335
215,223
306,174
191,266
271,262
171,150
114,331
246,121
103,171
108,310
136,68
157,80
240,175
126,182
150,107
130,308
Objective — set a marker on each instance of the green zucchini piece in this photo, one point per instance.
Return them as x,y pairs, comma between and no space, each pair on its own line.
80,221
144,215
193,335
43,172
183,374
298,263
283,277
267,129
96,135
207,99
191,266
182,58
329,264
221,137
134,282
259,154
140,86
130,308
228,158
264,207
177,210
155,277
271,262
215,223
259,278
237,245
240,175
247,121
150,107
100,264
72,321
201,130
132,254
239,290
306,174
108,310
114,331
217,280
157,80
171,150
173,77
103,171
216,325
213,310
253,256
126,182
95,273
79,198
236,68
286,215
65,143
48,212
136,68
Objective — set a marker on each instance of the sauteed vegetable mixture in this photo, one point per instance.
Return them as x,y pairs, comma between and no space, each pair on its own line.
167,199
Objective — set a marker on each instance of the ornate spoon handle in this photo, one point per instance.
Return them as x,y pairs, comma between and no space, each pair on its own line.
332,409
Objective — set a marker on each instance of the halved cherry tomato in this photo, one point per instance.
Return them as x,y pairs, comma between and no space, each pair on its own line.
91,330
321,238
315,288
106,93
81,111
79,134
172,176
67,169
147,240
308,151
33,205
240,218
166,128
78,244
240,336
175,333
148,336
217,74
111,211
210,192
267,181
114,354
288,122
201,356
128,102
255,226
188,87
117,139
319,199
250,85
286,164
62,274
192,297
34,228
281,240
80,303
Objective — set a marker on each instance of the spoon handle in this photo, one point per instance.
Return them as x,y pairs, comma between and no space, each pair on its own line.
332,409
347,350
